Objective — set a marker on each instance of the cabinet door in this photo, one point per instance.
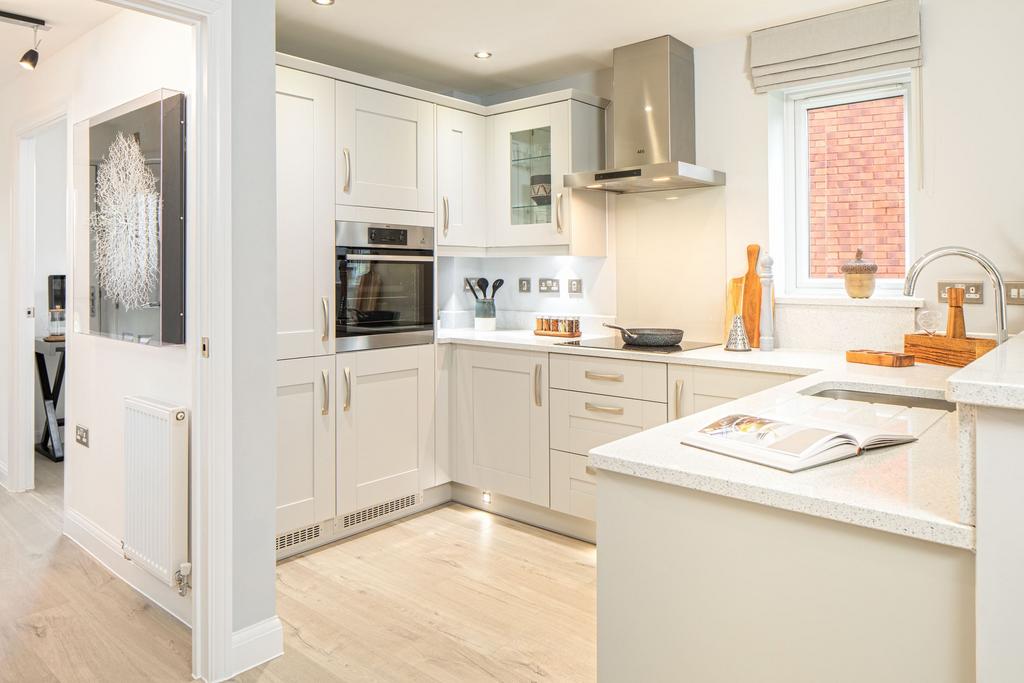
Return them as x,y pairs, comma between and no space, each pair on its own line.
305,214
385,425
502,422
461,154
305,442
385,153
529,154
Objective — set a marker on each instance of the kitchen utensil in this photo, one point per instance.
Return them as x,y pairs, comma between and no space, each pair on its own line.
752,297
733,303
955,349
859,276
497,285
648,336
469,284
886,359
482,284
737,335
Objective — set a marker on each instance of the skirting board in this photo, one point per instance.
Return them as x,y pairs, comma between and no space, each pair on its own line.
106,550
256,644
527,513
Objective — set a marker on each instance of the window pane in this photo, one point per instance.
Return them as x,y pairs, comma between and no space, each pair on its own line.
855,184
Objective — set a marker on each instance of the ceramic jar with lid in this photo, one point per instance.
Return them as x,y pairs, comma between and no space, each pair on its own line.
859,276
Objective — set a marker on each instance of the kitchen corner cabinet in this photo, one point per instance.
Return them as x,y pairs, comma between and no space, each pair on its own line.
385,404
461,219
305,214
305,442
529,152
502,422
385,150
692,389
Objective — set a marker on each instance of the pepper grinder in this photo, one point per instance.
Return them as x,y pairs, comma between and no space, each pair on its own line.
767,299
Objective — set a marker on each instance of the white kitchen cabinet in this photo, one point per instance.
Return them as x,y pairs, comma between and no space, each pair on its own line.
305,214
385,445
696,388
502,422
529,152
385,150
461,186
573,485
305,442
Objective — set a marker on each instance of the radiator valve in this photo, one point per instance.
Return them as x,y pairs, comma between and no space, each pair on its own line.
183,577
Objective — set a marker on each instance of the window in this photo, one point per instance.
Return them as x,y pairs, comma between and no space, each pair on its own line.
846,181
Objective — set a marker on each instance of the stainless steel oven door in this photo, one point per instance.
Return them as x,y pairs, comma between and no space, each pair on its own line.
385,297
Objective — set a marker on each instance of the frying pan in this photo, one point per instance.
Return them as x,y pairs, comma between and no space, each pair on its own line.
648,336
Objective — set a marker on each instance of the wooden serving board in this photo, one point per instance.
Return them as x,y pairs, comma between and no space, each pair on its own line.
888,359
752,297
565,335
939,350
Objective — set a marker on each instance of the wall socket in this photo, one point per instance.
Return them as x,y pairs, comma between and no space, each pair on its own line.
548,285
575,286
465,283
974,292
1015,293
524,285
82,435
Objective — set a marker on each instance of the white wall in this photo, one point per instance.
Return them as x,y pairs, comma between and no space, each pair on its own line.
128,56
972,144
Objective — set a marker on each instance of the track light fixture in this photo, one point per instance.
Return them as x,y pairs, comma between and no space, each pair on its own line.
30,59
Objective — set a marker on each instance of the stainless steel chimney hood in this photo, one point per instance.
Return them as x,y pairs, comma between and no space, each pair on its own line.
653,136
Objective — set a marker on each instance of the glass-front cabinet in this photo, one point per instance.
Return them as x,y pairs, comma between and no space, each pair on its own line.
530,150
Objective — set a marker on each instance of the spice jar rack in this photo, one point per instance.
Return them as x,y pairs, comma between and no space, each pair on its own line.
557,326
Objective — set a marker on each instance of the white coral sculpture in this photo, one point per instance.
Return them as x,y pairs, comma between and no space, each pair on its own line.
125,226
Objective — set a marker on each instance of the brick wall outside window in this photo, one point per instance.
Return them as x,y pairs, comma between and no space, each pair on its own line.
856,190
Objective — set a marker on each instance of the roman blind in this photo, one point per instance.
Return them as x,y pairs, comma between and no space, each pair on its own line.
879,37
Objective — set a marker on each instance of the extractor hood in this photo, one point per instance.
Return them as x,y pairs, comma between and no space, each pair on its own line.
653,131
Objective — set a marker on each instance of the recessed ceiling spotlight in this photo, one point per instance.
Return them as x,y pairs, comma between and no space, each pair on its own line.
482,54
323,2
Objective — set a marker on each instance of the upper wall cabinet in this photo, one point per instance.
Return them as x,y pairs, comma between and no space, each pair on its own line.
461,188
305,214
529,151
385,150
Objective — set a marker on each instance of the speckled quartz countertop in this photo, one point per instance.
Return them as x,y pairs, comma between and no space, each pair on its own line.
995,380
913,490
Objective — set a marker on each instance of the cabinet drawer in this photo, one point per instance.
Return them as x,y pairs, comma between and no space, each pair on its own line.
733,383
609,376
580,422
573,488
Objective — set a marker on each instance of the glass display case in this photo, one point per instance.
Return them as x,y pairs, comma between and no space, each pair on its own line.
530,173
129,178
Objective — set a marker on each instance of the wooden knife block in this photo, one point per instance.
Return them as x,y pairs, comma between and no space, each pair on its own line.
955,349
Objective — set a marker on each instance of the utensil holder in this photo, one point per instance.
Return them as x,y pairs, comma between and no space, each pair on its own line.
484,315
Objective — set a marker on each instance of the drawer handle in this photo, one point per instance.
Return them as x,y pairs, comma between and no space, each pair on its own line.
591,471
611,410
603,377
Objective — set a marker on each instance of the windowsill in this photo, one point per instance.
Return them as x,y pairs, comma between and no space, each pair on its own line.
879,300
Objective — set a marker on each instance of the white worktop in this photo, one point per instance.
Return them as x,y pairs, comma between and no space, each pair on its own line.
912,490
995,380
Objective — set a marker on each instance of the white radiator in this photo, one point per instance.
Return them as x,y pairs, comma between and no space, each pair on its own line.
156,489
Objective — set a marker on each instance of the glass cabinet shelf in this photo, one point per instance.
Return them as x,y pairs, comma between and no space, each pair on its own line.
530,155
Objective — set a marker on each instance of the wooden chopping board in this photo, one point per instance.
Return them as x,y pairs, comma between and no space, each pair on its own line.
752,297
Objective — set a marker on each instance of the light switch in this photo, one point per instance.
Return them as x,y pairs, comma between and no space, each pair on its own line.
1015,293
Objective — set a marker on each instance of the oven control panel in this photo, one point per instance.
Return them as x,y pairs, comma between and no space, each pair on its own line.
389,236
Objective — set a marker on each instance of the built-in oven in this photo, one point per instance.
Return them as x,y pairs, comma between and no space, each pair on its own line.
384,283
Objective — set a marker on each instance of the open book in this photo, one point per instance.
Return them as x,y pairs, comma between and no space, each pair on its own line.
791,447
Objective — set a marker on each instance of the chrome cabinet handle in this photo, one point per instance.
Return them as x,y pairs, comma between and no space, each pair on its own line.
558,212
325,409
602,377
327,319
679,398
536,385
348,170
348,389
444,203
388,257
611,410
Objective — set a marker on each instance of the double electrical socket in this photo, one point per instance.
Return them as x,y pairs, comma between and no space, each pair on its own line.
974,292
548,285
82,435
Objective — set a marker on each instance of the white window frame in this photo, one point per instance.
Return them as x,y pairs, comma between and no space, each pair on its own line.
796,103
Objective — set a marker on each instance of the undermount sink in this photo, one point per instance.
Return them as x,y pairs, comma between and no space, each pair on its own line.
887,399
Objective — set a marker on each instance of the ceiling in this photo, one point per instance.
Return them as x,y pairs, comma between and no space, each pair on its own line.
69,18
418,43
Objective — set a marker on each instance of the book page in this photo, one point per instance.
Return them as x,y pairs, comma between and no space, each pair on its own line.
764,432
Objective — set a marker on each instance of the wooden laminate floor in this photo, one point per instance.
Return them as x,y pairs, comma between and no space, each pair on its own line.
451,594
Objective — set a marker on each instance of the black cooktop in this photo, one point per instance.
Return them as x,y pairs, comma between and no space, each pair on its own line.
616,343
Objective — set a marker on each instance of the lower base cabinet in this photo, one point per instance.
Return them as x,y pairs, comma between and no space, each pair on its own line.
305,442
573,485
385,431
